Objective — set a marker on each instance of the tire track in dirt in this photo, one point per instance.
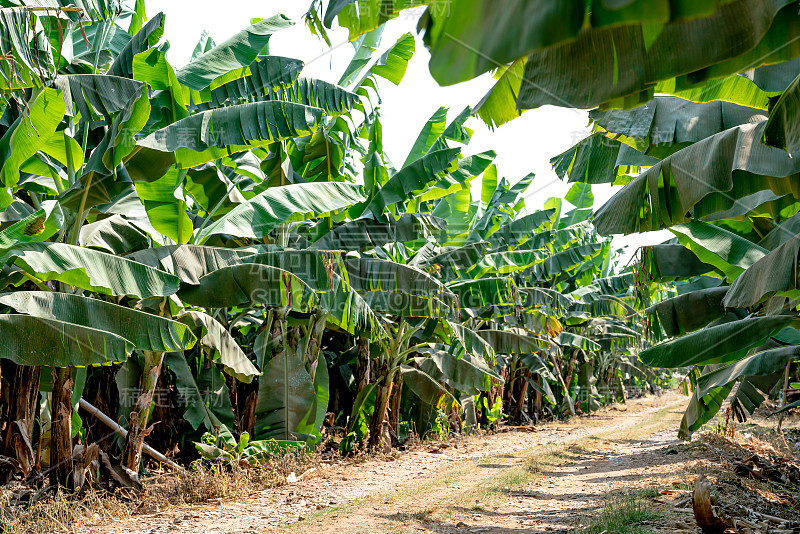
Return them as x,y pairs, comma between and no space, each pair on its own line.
457,489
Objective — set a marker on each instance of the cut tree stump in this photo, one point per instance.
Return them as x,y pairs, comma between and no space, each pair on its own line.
703,513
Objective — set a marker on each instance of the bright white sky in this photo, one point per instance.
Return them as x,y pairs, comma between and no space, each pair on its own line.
524,145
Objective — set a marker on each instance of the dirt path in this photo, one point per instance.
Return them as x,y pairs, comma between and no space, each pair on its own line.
547,480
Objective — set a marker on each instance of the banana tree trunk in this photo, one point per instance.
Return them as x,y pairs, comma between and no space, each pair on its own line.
394,406
536,399
21,416
519,393
137,427
61,427
379,424
362,364
22,402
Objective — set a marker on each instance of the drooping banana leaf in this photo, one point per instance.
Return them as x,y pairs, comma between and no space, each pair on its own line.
567,260
264,212
96,96
371,274
450,261
368,233
148,36
485,292
408,182
286,399
324,273
775,272
24,66
196,410
115,235
217,133
723,343
28,134
569,339
716,246
782,129
464,373
213,335
700,180
763,363
36,341
266,74
588,70
144,331
405,304
690,311
472,342
499,105
229,60
542,297
36,227
505,342
598,160
702,410
250,285
667,262
190,262
91,270
500,263
521,229
671,120
424,386
781,233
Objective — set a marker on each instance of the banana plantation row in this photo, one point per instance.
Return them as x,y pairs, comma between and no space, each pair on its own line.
221,258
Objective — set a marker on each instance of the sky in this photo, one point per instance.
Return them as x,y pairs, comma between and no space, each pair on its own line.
523,145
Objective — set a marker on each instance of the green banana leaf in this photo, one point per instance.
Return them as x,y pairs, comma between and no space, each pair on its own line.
668,262
764,363
405,304
147,37
705,178
190,263
114,234
199,408
521,229
723,343
264,212
229,60
588,70
372,274
569,339
363,234
726,251
47,342
690,311
217,133
485,292
28,134
213,335
249,285
266,73
504,342
499,105
144,331
91,270
776,272
34,228
422,384
673,121
286,407
782,129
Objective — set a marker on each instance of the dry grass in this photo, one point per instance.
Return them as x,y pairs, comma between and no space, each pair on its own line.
63,512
